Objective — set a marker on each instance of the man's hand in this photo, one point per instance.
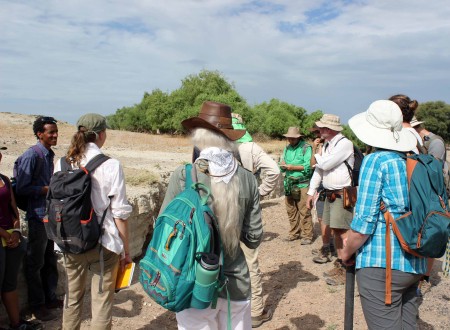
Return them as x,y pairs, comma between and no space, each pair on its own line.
125,261
13,240
309,202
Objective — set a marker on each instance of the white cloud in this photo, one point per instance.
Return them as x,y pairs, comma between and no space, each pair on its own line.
65,58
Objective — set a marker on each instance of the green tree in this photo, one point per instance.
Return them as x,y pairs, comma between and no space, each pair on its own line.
436,118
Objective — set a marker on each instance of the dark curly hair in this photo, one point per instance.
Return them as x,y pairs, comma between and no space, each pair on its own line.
40,122
407,106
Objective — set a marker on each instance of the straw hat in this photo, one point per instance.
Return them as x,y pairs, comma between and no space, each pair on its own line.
330,121
414,122
293,132
381,127
215,117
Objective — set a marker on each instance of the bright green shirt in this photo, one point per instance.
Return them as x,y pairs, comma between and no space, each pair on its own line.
298,155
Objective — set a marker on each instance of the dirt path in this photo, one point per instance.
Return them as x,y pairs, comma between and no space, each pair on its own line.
293,285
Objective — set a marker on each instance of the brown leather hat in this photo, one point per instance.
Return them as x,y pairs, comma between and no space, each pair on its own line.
215,117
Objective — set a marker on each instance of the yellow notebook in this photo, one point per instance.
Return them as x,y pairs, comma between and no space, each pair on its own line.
125,277
4,240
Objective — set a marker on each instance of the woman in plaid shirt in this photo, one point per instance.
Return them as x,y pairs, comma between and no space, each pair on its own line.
383,178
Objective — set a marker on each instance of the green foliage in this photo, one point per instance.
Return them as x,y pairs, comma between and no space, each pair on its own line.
275,117
436,118
163,112
348,133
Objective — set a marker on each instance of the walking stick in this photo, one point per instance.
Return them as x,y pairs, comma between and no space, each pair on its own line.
349,296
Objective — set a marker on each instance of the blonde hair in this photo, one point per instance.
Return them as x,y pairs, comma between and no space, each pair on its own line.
225,202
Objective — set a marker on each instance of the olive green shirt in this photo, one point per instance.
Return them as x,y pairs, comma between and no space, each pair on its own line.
235,269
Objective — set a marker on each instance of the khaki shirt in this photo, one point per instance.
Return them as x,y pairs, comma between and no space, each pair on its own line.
254,158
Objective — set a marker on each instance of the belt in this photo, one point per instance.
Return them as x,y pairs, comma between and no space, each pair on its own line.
333,194
337,191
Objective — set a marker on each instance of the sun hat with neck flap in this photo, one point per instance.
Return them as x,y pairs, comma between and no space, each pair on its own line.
92,122
381,127
216,117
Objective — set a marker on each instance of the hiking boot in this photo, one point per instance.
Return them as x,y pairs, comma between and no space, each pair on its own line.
264,317
423,287
337,270
43,314
305,241
290,239
336,280
324,256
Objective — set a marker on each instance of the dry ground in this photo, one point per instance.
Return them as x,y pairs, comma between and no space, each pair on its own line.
293,285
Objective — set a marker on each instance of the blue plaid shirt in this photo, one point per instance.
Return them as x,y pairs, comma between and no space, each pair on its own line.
383,178
25,186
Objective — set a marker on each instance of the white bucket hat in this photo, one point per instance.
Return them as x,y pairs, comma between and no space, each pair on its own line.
381,127
330,121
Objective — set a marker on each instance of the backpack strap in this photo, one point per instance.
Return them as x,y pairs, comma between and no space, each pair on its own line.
100,250
95,162
390,223
189,169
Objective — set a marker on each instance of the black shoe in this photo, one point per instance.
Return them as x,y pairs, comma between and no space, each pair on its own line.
43,314
27,325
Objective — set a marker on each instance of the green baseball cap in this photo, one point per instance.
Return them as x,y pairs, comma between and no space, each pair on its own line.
93,122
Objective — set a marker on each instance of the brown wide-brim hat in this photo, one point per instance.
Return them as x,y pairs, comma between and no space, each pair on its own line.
215,117
293,132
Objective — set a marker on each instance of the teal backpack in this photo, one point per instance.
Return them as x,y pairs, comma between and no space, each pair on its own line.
424,230
184,231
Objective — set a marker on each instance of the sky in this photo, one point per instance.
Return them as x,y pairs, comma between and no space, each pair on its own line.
67,58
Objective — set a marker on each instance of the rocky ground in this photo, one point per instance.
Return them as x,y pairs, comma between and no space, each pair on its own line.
293,284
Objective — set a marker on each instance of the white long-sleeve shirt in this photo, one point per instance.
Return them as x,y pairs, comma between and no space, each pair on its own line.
330,168
107,181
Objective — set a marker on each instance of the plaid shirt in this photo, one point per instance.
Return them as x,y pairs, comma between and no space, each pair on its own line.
383,178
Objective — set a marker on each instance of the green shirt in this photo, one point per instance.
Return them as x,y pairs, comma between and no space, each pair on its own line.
235,269
295,156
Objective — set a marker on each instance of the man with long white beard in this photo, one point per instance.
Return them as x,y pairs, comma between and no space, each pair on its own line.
235,202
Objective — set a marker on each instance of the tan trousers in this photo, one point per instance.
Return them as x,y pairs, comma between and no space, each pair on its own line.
77,267
251,256
299,216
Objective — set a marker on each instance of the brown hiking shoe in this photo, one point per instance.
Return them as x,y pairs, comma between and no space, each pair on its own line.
336,280
324,255
338,269
264,317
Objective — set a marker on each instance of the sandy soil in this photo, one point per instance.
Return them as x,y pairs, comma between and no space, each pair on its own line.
293,284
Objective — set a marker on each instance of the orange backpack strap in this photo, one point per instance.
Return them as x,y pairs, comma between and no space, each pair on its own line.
388,293
390,222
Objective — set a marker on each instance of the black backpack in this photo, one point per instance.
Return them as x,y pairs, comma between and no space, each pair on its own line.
357,165
22,200
70,220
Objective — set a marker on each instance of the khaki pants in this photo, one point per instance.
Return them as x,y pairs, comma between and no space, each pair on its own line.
299,216
77,266
251,256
